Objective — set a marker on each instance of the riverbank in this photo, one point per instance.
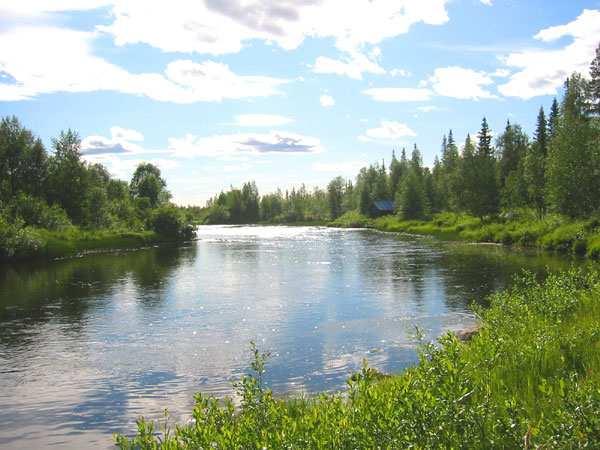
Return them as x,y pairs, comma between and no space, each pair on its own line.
34,243
529,378
553,233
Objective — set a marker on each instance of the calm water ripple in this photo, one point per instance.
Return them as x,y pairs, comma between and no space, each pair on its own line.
89,344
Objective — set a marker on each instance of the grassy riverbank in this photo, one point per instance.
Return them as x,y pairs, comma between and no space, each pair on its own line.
554,233
37,243
529,379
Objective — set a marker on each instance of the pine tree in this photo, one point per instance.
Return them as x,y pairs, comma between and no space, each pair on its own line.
512,147
467,179
573,187
594,86
486,197
535,166
553,118
450,165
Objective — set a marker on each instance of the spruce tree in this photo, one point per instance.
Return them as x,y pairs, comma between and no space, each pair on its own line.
485,193
512,147
553,119
594,86
573,187
467,179
535,166
450,165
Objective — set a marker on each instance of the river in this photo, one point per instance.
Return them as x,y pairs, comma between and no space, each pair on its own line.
89,344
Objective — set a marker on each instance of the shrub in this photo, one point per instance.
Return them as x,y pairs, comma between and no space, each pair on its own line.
351,219
36,212
529,379
170,223
17,241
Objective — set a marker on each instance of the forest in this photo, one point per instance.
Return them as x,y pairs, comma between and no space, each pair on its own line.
555,171
548,180
52,203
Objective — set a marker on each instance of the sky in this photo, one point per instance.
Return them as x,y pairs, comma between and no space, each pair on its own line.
283,92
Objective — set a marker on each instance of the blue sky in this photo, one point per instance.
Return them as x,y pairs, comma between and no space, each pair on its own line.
217,92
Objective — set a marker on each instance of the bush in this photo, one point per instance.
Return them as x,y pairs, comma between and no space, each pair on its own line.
217,214
36,212
528,379
351,219
170,223
17,241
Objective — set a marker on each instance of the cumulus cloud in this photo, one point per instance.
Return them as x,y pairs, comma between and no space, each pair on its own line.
486,2
45,60
224,26
388,131
121,141
461,83
261,120
353,66
399,73
244,144
392,94
327,101
542,72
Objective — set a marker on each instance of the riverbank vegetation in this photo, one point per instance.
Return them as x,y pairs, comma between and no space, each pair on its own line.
555,233
541,191
530,378
55,204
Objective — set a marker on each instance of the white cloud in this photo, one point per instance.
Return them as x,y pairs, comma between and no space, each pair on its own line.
39,7
390,94
121,141
243,144
123,167
261,120
45,60
487,2
224,26
461,83
399,73
327,101
388,131
542,72
352,66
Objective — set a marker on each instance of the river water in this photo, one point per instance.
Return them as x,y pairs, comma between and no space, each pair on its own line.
89,344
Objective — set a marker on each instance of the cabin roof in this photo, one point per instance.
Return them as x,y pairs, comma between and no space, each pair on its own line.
384,205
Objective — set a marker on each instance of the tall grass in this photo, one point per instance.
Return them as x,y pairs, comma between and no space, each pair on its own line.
553,233
529,379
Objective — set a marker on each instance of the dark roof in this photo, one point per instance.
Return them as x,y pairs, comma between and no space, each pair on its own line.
384,205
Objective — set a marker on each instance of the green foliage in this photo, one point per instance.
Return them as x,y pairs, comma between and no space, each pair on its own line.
169,222
351,219
17,241
148,183
573,159
529,379
35,212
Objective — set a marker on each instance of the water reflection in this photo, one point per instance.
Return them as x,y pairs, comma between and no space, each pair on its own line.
87,345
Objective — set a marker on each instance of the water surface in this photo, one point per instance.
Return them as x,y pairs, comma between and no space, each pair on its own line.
89,344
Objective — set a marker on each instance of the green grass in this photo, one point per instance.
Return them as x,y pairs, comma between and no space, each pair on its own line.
529,379
74,241
554,233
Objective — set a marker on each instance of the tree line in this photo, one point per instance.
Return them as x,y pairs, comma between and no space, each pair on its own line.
59,190
556,170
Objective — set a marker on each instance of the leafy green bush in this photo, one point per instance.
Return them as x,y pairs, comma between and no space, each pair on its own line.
351,219
170,223
17,241
36,212
529,379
